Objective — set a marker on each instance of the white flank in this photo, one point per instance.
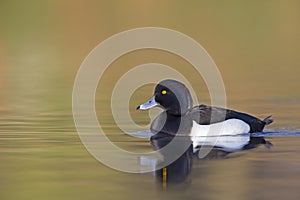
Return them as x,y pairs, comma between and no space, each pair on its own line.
228,127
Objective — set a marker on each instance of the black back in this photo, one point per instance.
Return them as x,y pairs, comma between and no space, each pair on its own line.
205,115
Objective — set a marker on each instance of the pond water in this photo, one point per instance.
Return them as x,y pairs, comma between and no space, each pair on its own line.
256,46
43,157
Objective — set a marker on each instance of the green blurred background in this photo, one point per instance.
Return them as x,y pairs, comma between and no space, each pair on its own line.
44,42
255,44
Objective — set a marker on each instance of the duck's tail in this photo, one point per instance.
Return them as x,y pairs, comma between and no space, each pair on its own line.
268,120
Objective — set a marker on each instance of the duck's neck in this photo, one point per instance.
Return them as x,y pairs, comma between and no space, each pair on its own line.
175,113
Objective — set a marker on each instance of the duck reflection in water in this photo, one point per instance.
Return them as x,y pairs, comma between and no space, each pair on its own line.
203,148
208,132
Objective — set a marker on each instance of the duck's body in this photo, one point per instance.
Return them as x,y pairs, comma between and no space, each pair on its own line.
181,118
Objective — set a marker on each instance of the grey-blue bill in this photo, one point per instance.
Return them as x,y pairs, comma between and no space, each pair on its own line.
148,104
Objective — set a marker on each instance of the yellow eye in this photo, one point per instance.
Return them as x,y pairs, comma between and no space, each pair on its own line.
164,92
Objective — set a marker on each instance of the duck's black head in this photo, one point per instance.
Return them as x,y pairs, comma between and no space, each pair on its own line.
172,96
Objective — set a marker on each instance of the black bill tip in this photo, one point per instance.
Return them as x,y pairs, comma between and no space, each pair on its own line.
138,107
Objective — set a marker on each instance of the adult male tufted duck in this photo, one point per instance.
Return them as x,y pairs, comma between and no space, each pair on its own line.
180,117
